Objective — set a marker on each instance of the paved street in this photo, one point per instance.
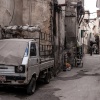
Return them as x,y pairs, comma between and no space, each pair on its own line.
77,84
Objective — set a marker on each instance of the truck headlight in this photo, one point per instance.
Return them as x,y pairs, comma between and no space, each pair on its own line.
20,69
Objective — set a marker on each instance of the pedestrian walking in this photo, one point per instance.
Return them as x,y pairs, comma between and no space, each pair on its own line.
91,50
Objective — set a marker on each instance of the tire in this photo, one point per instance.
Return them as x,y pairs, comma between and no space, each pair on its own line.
47,78
31,86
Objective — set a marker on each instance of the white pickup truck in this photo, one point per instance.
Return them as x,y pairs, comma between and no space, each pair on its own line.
21,65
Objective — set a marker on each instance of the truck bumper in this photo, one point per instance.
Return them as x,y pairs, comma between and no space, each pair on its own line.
13,80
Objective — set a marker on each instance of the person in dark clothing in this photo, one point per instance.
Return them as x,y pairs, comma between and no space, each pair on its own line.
91,50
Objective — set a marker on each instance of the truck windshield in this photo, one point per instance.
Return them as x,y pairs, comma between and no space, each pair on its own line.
26,51
12,52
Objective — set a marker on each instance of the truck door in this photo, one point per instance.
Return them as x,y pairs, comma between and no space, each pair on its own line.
33,60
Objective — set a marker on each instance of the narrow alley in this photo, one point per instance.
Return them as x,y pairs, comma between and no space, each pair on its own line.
77,84
49,50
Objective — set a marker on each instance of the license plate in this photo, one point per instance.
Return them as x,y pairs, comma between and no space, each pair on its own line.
2,78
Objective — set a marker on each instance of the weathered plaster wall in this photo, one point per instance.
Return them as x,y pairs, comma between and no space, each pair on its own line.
10,12
62,23
36,12
17,19
60,36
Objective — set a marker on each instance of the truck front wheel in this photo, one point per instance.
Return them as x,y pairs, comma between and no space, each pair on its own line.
31,86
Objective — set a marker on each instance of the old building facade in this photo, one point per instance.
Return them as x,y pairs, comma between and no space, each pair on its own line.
74,16
59,24
46,14
84,33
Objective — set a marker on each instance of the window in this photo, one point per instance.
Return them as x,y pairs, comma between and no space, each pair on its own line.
33,50
26,51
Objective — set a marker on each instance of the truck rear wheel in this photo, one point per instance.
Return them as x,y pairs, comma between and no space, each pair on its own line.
31,86
47,78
